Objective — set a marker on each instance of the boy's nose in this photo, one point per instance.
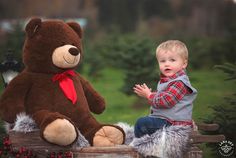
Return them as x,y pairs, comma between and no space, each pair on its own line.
167,64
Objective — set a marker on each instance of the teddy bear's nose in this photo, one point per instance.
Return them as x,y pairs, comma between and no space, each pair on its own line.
73,51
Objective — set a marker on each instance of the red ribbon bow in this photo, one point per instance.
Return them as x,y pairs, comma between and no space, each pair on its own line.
66,84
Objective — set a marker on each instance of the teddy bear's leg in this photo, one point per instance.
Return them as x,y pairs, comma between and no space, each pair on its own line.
109,135
55,127
60,132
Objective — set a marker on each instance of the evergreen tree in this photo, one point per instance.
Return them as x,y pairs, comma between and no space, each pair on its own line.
133,54
224,114
139,64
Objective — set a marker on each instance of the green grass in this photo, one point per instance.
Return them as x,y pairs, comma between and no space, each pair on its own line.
212,87
118,105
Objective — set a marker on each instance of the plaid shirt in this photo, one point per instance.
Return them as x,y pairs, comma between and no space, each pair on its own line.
174,92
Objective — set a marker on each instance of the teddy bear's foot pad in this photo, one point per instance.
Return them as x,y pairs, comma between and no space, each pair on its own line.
60,132
108,136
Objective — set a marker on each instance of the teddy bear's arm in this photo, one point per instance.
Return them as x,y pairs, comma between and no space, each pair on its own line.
12,99
95,100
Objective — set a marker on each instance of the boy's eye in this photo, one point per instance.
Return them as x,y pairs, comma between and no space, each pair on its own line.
162,61
172,60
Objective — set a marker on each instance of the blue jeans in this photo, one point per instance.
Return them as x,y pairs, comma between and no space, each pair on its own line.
148,125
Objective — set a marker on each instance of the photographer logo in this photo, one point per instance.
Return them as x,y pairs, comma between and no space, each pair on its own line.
226,148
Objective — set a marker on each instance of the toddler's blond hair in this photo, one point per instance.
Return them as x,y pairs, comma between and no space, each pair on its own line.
174,46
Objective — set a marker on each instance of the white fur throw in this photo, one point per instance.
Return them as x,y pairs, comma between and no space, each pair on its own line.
169,142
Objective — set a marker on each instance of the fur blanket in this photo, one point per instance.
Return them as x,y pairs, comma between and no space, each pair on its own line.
169,142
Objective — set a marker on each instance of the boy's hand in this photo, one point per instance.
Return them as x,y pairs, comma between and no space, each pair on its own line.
142,90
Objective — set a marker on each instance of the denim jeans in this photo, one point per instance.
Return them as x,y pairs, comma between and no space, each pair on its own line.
148,125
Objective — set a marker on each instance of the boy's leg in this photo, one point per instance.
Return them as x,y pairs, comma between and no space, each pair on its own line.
148,125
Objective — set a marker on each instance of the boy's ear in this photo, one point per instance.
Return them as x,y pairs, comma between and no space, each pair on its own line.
185,64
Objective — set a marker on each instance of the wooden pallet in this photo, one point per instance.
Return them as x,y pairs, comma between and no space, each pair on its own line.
42,149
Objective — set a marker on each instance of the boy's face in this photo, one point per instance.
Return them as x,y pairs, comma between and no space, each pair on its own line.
170,62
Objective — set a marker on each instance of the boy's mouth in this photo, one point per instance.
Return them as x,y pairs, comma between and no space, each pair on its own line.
167,70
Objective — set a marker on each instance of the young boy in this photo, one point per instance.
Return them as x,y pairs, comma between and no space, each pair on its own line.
172,103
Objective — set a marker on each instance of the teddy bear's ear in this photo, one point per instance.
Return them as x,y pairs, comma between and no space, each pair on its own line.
33,26
76,27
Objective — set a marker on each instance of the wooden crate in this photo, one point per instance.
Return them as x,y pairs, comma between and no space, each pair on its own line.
33,141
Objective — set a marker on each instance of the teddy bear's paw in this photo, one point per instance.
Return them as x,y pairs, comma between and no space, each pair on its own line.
108,136
60,132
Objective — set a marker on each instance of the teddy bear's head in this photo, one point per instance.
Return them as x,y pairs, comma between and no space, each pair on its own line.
52,46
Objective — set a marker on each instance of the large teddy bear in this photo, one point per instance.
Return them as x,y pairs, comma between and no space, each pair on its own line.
58,99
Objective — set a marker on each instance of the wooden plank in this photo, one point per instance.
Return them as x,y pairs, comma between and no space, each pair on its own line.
93,152
114,152
207,127
206,138
119,148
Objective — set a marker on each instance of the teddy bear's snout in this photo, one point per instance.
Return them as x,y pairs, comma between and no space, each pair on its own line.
74,51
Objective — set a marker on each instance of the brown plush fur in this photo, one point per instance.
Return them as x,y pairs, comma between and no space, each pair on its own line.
34,92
